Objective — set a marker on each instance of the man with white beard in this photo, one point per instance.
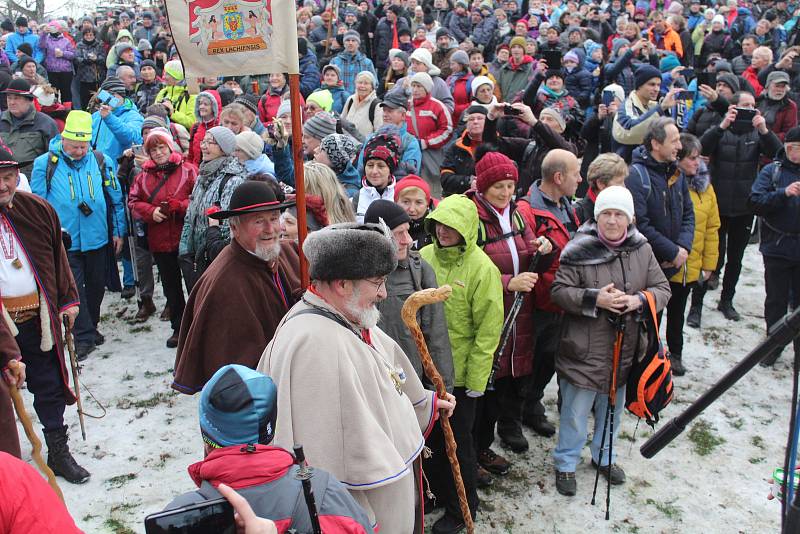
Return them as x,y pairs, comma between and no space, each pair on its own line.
237,303
346,390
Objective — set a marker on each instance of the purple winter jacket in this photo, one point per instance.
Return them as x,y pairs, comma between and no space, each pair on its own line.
51,62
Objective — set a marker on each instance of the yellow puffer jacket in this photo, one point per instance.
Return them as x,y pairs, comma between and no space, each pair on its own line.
705,246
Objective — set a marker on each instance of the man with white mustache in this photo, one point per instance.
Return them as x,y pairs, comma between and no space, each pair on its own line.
346,390
237,303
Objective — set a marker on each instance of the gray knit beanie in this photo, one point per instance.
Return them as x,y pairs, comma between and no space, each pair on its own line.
250,143
284,109
320,125
225,138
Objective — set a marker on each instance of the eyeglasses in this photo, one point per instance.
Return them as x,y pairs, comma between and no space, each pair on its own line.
209,141
379,284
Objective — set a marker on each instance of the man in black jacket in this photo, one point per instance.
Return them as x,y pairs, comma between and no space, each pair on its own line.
458,167
735,148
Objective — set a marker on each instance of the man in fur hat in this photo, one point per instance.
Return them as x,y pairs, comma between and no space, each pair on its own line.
239,300
361,392
38,291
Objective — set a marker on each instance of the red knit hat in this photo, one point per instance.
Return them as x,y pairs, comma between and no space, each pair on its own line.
494,167
412,180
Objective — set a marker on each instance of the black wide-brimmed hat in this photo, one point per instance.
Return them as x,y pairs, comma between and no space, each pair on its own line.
251,197
19,87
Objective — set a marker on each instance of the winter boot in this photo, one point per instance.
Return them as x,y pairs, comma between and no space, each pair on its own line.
566,483
128,292
82,350
695,316
165,314
172,341
613,473
540,425
727,309
713,281
146,309
493,462
511,435
677,366
60,460
448,524
484,478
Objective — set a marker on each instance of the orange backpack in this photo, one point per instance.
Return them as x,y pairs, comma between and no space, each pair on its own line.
649,386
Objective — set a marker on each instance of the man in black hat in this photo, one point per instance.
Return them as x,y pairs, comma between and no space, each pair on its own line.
38,293
24,130
395,108
239,300
341,377
458,167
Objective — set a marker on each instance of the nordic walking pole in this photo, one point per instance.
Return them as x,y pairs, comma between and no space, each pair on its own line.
73,361
409,314
305,474
36,444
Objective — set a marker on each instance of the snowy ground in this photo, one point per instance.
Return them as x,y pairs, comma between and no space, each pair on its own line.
710,480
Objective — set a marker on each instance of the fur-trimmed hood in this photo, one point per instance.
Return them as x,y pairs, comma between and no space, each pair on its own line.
587,249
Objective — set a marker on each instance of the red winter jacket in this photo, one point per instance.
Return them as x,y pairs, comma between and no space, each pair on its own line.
163,236
199,129
28,504
270,102
265,477
434,122
517,358
545,223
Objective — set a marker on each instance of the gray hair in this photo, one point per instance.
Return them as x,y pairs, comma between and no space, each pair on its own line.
689,145
657,131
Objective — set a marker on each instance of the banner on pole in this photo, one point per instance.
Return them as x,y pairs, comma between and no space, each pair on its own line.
234,37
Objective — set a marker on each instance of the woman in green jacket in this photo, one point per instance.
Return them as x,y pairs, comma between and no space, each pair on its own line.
474,315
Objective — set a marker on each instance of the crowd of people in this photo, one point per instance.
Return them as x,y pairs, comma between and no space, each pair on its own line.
579,154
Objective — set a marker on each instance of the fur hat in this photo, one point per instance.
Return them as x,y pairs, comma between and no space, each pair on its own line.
614,197
492,168
387,211
340,149
350,251
238,406
384,147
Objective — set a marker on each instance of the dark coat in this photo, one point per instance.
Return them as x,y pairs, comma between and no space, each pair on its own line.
579,85
232,313
90,70
36,225
383,39
29,138
458,166
587,336
734,164
517,358
780,223
708,116
413,275
665,215
781,115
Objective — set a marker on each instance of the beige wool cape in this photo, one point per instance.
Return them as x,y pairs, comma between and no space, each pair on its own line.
337,398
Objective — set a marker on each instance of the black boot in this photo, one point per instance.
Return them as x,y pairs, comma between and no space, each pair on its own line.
727,309
60,460
677,366
511,435
695,316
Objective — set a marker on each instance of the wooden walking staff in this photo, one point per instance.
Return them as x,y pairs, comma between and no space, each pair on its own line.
36,444
299,180
409,314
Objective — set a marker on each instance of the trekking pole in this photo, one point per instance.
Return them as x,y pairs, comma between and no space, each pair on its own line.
73,361
409,314
132,249
508,324
304,475
608,423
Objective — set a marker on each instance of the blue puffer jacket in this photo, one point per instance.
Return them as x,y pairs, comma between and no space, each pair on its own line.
780,226
579,84
350,180
15,39
665,215
117,132
309,74
81,181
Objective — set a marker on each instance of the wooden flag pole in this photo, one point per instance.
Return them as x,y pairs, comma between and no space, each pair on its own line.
297,158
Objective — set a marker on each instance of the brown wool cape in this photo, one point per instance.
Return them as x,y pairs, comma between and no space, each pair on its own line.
232,313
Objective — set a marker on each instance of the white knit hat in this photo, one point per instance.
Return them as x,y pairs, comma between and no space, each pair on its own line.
477,81
423,55
250,143
424,79
614,197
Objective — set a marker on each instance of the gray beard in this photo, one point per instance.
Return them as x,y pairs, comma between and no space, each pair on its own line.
267,253
363,318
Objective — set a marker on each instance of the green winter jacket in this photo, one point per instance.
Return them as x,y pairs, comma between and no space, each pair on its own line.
182,104
475,309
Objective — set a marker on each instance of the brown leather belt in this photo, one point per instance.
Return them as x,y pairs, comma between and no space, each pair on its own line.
22,308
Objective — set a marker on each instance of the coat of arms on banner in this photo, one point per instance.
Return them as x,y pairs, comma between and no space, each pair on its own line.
230,26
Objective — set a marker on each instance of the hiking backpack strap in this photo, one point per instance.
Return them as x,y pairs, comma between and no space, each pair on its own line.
645,180
518,221
372,106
